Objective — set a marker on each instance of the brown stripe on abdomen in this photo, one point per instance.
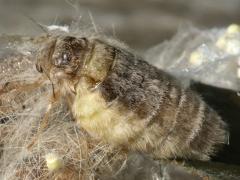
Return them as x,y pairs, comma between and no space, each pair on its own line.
210,134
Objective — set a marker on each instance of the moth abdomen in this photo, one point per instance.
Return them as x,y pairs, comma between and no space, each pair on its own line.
177,122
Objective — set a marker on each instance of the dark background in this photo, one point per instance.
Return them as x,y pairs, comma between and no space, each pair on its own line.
140,23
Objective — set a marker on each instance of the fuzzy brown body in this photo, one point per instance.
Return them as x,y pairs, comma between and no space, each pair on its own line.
121,99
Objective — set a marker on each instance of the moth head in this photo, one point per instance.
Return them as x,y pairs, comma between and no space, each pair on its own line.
62,55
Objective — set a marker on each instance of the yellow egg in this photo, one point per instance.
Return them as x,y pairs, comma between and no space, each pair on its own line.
233,29
221,42
196,58
54,162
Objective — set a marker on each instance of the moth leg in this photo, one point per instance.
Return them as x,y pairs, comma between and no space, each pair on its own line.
16,87
20,86
45,120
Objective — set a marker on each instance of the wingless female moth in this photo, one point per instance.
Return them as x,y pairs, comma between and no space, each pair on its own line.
119,98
